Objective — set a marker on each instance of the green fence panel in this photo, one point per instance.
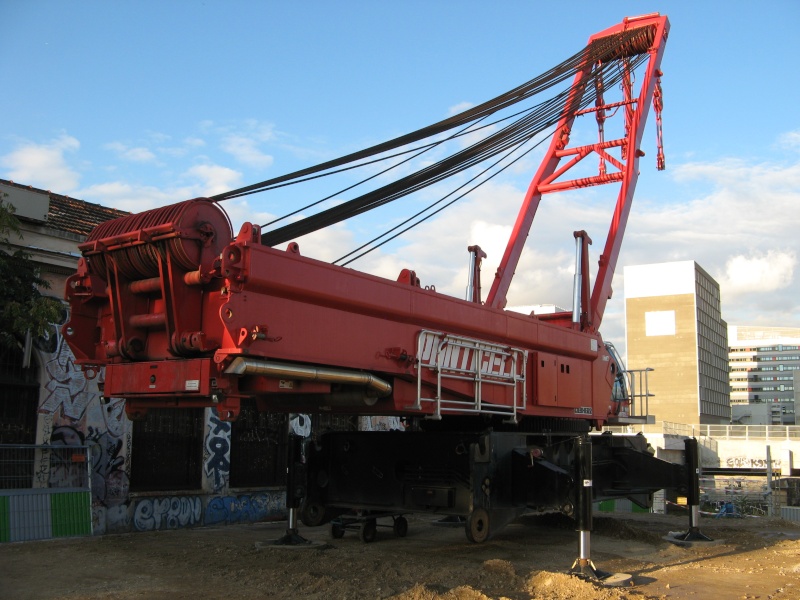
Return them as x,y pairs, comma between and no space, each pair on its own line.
607,505
5,520
71,513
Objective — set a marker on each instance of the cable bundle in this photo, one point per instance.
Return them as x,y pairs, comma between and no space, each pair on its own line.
598,62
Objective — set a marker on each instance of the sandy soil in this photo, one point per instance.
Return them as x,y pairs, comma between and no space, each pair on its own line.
530,559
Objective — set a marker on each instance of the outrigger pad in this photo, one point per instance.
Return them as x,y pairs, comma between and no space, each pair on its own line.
585,569
292,540
691,538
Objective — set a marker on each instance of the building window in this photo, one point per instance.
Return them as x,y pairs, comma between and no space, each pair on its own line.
659,323
19,398
258,448
167,450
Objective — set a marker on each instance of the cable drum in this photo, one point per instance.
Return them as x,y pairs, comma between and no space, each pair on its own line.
193,233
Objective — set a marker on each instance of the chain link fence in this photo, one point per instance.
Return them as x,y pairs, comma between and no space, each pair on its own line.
45,492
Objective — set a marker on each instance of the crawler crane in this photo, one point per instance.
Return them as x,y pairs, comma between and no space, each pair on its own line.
180,312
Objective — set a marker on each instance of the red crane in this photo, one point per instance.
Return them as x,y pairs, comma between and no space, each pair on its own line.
178,311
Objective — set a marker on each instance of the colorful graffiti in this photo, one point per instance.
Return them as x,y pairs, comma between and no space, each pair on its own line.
247,508
216,459
67,386
72,411
746,462
381,424
172,512
75,413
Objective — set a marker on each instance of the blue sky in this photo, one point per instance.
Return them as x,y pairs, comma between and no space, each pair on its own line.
140,104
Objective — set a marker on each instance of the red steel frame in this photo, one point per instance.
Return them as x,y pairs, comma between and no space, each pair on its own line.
178,315
627,170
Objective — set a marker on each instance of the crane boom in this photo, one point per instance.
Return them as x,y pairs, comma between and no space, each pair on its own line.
549,179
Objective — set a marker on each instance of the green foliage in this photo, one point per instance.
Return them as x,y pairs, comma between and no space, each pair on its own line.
22,305
8,222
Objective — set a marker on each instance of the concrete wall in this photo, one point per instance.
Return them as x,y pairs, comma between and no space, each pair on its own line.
72,411
733,453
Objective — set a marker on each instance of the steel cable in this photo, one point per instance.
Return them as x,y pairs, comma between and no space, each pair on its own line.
598,60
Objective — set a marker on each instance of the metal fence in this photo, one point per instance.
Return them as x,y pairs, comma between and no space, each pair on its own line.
744,495
45,492
774,433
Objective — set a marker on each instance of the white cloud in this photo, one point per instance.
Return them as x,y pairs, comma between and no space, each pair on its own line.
198,181
243,141
214,179
180,150
135,154
133,198
240,211
326,244
459,108
437,249
246,150
743,233
761,273
790,140
43,165
159,137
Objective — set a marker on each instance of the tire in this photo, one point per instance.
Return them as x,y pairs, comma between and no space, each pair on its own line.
477,526
313,515
368,531
337,530
400,527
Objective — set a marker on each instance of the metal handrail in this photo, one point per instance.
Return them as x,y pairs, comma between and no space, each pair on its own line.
470,368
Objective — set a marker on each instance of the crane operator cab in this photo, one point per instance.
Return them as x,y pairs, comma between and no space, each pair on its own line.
620,392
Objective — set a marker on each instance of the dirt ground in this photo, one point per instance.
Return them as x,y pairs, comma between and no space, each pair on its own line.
530,559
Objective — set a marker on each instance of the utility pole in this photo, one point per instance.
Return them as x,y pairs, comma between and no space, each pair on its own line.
770,499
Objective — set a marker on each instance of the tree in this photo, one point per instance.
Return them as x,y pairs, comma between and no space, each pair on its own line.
23,308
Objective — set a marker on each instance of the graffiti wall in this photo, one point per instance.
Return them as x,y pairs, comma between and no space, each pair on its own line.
172,512
72,411
247,508
752,454
381,424
176,512
216,456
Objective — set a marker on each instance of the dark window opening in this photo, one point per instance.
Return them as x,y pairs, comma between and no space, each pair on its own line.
167,450
321,424
258,444
258,448
19,398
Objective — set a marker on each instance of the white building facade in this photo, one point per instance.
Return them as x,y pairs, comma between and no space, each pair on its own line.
764,374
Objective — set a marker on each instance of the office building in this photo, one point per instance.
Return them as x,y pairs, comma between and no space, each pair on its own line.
674,325
764,374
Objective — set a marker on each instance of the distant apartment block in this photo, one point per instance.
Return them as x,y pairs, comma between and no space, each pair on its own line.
673,324
764,374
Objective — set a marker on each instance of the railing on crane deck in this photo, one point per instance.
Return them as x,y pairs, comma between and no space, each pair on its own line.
454,357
